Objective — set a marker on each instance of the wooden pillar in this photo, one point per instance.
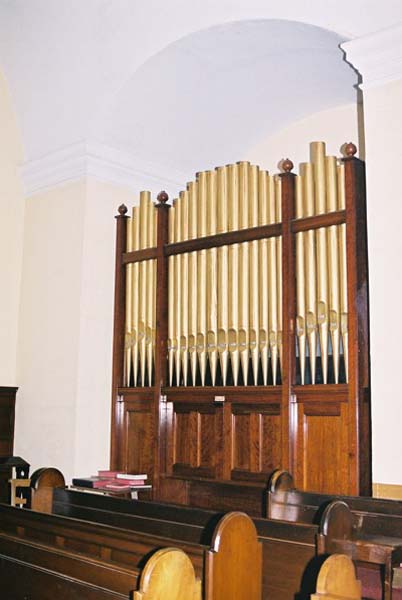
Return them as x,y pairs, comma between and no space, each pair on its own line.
161,338
118,334
288,368
357,280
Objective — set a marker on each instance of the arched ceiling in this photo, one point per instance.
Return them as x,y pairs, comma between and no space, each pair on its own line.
215,93
170,80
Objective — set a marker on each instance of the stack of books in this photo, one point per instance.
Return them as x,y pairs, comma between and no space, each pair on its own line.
113,481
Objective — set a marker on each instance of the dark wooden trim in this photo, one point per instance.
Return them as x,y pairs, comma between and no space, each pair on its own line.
225,239
162,308
359,351
118,338
288,368
318,221
139,255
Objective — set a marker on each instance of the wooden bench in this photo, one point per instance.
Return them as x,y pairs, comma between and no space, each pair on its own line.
375,536
287,547
337,580
234,548
35,571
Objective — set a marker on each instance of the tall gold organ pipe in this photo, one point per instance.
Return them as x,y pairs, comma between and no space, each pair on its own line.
318,160
149,332
202,277
306,171
233,283
178,300
192,282
343,272
135,293
300,282
254,326
223,271
212,278
143,280
333,263
273,247
264,283
172,341
184,289
278,218
129,305
244,272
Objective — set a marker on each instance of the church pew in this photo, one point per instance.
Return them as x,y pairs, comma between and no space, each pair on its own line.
287,547
37,571
131,548
169,575
376,529
337,580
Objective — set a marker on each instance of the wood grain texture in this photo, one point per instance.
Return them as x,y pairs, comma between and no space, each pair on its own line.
169,575
337,580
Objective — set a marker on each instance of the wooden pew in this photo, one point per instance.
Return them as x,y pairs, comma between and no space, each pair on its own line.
234,550
35,571
375,536
169,575
287,547
337,580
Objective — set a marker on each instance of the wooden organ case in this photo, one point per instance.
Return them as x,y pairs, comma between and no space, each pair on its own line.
241,334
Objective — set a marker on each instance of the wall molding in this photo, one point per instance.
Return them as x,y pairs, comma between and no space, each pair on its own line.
387,490
377,57
102,162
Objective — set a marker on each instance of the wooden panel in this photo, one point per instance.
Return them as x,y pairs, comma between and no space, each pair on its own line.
197,431
139,425
322,446
256,439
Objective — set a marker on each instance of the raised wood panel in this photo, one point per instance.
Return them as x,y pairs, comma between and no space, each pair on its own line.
322,453
197,431
140,434
256,439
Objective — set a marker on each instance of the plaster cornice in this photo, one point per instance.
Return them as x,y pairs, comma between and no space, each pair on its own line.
377,57
104,163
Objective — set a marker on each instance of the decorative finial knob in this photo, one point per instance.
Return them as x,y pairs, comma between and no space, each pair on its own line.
350,149
287,165
122,210
162,197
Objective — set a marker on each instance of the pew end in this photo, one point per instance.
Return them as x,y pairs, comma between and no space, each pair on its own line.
43,482
234,562
169,575
337,580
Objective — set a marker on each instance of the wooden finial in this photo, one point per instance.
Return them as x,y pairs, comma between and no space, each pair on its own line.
122,210
350,149
162,197
287,165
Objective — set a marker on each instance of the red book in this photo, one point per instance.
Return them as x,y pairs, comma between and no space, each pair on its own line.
101,483
108,474
117,486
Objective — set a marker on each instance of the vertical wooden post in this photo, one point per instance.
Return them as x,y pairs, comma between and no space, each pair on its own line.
118,334
161,338
288,368
359,368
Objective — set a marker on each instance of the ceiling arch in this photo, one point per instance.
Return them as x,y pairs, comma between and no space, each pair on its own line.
213,94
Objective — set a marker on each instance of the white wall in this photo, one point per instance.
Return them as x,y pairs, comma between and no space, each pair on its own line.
11,232
93,394
384,160
49,326
334,127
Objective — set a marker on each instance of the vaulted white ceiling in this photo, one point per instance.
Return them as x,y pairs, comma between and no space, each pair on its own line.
179,83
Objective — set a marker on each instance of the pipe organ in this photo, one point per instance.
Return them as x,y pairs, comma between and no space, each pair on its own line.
241,330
